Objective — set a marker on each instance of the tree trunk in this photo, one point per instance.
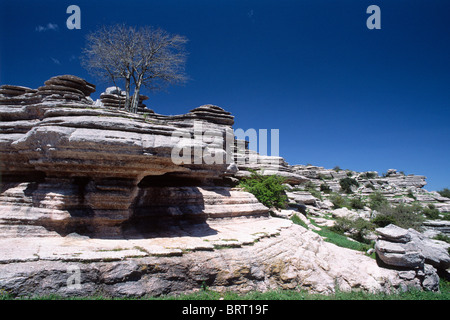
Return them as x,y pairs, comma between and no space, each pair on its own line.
127,92
135,100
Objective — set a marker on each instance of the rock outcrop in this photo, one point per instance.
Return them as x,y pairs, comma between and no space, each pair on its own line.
68,167
66,87
114,97
248,160
147,204
416,256
281,255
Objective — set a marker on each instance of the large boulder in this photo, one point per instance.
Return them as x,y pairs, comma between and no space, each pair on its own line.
408,249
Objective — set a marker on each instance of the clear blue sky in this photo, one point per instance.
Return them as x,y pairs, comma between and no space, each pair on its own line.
339,93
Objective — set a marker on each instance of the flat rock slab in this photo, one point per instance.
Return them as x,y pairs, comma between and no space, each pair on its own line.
234,232
394,233
282,255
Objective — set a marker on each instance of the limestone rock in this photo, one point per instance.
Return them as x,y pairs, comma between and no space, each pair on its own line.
410,249
302,197
344,213
100,172
394,234
66,87
399,254
114,97
295,257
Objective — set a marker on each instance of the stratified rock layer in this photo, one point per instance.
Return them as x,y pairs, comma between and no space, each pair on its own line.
238,254
417,256
102,191
96,171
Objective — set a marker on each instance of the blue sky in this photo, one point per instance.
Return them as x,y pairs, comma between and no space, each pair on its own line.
339,93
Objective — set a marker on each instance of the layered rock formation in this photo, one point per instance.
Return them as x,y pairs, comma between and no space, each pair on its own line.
416,256
248,160
240,255
72,168
147,204
66,87
114,97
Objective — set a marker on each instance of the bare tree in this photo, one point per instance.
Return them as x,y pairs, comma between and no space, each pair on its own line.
146,57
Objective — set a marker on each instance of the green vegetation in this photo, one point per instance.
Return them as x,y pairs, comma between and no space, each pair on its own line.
369,185
338,201
330,235
356,203
442,237
357,229
347,183
411,195
403,215
368,175
269,190
445,192
383,220
311,188
431,212
377,200
295,219
325,188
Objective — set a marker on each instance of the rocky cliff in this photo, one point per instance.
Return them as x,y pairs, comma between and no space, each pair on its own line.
89,187
68,165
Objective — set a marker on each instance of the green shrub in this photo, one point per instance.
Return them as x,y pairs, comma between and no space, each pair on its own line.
369,185
402,215
311,188
442,237
445,192
347,183
269,190
358,229
356,203
325,188
383,220
411,195
377,200
431,212
368,175
338,201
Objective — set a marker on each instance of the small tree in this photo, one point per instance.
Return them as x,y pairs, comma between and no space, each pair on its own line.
146,57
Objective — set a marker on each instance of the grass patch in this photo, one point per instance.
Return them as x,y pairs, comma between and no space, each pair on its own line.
295,219
339,239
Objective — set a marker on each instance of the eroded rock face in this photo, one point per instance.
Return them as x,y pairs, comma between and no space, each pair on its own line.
70,166
283,255
87,187
409,250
